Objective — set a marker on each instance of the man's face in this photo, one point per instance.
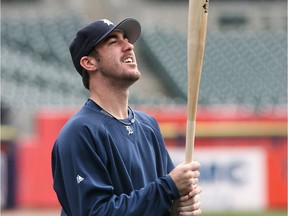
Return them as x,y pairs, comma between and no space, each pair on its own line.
117,59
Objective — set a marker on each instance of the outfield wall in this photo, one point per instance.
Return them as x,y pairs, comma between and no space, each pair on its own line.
243,157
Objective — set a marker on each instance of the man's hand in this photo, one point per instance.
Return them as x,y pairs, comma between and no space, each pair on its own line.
188,205
185,177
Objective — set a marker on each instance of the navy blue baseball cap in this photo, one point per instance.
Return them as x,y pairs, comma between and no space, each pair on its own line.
89,36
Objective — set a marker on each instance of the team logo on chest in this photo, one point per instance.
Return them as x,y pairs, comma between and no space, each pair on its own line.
125,123
129,129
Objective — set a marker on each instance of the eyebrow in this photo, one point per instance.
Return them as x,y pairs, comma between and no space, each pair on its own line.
111,36
115,36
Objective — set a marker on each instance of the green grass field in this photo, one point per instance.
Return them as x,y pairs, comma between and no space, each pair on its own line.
268,213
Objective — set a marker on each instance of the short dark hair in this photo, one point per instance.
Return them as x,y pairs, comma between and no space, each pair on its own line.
85,74
85,79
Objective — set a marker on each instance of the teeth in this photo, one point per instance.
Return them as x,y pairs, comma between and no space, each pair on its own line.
128,60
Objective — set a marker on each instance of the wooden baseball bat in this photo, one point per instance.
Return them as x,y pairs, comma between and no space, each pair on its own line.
196,38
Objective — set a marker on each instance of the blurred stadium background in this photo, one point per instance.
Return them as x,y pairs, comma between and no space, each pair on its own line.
241,135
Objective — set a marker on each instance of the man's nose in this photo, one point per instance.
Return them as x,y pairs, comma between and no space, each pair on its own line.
127,45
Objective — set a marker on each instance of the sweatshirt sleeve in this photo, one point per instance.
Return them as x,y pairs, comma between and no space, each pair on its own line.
83,185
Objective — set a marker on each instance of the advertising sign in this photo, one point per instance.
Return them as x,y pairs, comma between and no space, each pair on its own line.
232,178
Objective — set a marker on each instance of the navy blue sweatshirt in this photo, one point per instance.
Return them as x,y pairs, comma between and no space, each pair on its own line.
100,167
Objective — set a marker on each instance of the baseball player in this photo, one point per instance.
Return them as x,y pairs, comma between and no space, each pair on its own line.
110,159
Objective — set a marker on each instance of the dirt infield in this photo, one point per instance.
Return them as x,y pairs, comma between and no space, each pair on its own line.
31,212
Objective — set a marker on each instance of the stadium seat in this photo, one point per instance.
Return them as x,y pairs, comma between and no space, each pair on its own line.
239,68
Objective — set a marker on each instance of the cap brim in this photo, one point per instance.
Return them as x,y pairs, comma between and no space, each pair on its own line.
130,27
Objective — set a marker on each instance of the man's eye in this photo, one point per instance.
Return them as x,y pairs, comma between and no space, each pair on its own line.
112,41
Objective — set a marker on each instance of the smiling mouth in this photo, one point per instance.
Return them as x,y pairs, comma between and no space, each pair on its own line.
128,60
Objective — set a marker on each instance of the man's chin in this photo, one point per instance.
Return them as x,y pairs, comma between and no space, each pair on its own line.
134,76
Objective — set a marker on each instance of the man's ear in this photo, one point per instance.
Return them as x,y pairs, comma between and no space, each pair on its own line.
89,63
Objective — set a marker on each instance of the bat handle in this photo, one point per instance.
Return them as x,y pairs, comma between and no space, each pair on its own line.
190,133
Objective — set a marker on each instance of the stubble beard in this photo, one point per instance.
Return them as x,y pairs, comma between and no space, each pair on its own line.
125,79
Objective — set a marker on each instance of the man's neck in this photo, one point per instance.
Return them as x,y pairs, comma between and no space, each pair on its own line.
114,102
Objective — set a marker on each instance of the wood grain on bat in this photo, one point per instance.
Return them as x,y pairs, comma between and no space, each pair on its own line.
196,39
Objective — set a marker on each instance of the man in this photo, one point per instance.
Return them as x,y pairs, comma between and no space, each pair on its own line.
108,159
